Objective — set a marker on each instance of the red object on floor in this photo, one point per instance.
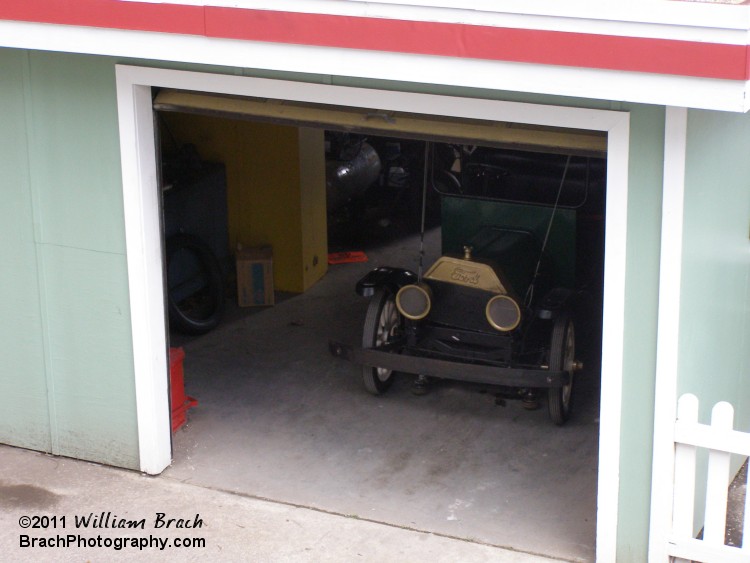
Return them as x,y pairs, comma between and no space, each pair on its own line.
179,401
347,257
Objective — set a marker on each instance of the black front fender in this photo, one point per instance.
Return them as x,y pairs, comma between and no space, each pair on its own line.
391,278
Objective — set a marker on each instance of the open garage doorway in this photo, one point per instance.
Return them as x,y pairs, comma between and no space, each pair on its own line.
445,434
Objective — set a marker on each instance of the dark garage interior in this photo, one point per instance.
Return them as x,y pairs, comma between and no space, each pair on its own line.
279,417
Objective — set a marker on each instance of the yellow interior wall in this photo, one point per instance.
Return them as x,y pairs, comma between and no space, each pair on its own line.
313,198
270,199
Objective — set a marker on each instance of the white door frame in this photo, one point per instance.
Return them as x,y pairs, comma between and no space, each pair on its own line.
144,254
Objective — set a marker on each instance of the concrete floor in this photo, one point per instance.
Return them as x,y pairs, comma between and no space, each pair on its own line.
227,527
279,418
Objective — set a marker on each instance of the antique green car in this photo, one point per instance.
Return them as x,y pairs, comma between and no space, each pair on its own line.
498,307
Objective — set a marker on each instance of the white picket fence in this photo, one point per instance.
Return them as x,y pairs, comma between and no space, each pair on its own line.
721,441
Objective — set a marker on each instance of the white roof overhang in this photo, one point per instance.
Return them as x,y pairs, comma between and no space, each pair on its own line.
658,52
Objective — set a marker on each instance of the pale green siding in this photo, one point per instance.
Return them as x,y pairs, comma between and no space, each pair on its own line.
714,345
66,328
24,412
75,152
69,386
714,333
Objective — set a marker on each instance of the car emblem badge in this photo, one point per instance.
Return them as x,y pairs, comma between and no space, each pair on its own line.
465,276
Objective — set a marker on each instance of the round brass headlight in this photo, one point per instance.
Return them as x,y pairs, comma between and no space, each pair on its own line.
503,313
414,301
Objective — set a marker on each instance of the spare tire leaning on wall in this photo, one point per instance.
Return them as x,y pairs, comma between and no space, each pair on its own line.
195,285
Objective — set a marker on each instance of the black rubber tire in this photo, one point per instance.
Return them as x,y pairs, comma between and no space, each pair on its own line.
201,310
381,322
562,356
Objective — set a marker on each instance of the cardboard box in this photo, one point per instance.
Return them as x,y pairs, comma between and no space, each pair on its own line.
254,276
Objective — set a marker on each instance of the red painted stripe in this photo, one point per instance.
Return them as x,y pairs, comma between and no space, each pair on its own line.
662,56
137,16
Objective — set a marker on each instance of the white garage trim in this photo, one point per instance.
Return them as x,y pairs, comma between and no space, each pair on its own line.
140,195
613,332
144,255
667,346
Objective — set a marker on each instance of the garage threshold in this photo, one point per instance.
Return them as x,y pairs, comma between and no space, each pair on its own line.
235,528
281,419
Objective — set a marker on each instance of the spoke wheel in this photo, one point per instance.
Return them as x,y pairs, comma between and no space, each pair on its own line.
383,323
562,357
195,288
